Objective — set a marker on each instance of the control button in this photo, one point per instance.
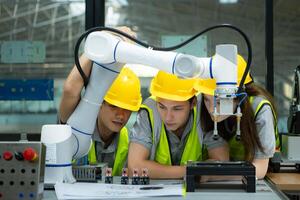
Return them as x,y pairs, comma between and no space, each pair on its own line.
31,195
30,154
7,155
19,156
21,195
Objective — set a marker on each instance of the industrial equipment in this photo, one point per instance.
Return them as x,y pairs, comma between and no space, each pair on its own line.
109,54
195,170
22,167
289,156
291,140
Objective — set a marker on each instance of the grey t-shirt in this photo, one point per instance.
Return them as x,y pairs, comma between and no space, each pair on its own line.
106,155
265,129
142,134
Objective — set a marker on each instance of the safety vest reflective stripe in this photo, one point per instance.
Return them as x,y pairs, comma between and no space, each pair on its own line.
92,154
121,154
162,154
150,112
192,150
258,108
237,150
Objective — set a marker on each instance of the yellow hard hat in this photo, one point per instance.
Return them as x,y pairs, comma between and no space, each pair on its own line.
208,86
169,86
125,92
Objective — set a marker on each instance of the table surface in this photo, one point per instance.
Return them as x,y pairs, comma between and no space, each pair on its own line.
230,190
285,181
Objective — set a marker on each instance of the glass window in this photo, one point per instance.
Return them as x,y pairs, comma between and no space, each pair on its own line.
165,23
37,41
286,55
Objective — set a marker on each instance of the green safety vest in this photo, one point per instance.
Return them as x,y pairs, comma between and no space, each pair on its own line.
121,154
192,150
236,149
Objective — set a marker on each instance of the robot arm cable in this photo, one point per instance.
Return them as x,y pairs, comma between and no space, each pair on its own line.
84,35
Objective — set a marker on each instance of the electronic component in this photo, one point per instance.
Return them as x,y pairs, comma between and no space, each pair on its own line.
144,180
89,173
124,177
135,177
108,176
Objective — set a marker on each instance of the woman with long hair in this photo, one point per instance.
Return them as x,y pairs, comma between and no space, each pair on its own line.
258,126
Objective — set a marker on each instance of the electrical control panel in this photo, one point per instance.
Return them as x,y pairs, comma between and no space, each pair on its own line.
22,167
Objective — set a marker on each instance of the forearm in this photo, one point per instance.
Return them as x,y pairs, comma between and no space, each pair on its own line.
219,153
72,89
261,167
75,80
158,171
138,158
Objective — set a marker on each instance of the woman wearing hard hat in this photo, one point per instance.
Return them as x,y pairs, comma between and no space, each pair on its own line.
167,134
259,135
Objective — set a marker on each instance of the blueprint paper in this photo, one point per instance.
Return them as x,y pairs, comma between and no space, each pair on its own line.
104,191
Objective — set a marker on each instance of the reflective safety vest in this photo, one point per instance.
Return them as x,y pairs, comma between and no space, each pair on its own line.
121,154
192,150
236,149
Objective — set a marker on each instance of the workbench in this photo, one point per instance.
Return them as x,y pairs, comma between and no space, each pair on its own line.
230,190
289,183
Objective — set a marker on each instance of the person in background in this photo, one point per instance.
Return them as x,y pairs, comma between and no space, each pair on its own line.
259,135
110,135
167,132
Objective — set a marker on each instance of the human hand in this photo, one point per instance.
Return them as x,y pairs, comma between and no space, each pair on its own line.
127,30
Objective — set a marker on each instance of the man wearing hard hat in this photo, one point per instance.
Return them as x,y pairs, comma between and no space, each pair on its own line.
167,132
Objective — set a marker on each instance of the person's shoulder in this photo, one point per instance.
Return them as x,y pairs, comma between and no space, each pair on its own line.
259,98
150,102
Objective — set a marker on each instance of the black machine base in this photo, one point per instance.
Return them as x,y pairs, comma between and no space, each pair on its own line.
241,168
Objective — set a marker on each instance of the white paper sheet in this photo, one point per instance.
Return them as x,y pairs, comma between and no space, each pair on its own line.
102,191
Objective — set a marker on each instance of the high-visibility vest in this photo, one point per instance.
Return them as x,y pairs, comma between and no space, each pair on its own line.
121,154
236,149
192,150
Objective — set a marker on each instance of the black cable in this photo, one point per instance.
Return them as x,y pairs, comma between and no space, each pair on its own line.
85,34
86,79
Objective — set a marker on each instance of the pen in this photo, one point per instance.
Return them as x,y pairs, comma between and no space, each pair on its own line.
151,188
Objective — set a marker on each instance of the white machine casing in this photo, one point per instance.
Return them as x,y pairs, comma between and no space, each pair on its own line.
290,147
59,144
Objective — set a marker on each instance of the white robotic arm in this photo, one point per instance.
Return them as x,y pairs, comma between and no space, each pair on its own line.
104,48
108,55
74,140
